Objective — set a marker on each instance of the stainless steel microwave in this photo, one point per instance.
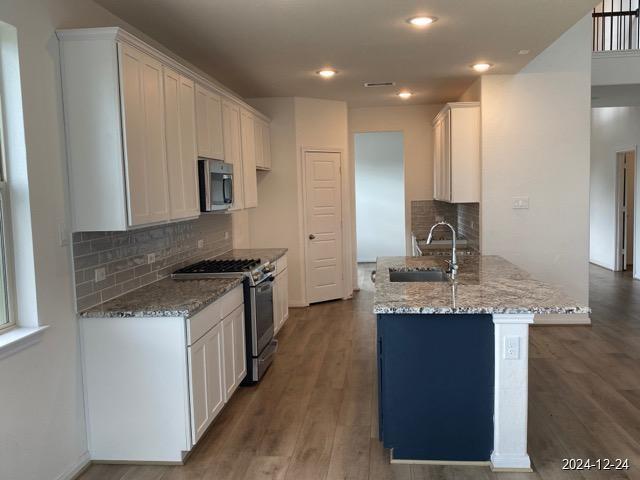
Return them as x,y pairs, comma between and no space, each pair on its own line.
215,178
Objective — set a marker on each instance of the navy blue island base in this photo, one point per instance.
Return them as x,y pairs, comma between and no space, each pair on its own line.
436,386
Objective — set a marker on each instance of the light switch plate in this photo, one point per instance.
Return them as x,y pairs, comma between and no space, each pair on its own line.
520,203
226,235
200,243
151,258
511,348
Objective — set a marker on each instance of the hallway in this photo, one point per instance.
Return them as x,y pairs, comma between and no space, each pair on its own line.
315,416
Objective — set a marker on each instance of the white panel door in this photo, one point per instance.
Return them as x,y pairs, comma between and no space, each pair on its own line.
179,97
446,157
228,335
259,146
266,145
215,373
323,205
233,149
239,346
277,303
202,123
200,419
214,117
247,130
284,296
144,132
209,123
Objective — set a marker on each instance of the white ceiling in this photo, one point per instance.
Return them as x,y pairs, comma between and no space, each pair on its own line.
274,47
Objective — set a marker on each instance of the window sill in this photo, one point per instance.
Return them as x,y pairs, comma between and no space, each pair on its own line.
18,338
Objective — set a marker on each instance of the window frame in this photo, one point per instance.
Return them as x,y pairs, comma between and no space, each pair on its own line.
6,246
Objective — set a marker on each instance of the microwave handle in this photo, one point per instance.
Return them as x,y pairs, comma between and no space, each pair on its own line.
227,188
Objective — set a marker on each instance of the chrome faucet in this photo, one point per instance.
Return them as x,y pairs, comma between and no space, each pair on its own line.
453,264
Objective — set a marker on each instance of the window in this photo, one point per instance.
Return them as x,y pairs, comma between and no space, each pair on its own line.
6,318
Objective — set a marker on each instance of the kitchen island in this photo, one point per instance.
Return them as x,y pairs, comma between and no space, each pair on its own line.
453,355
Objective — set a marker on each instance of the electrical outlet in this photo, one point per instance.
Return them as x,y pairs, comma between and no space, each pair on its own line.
511,348
200,243
520,203
100,274
226,235
151,258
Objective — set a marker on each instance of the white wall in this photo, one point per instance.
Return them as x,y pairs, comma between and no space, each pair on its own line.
414,121
277,221
42,415
379,180
535,143
613,129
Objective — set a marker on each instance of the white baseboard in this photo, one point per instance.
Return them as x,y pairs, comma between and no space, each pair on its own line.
510,463
297,304
562,319
73,471
601,264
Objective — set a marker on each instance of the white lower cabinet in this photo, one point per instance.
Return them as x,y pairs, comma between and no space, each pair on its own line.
239,342
153,385
280,294
206,361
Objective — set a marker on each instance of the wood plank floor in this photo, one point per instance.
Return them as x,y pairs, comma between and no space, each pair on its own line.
314,414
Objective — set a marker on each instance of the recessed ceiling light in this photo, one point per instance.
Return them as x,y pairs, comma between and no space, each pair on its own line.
524,52
481,67
421,21
327,72
405,95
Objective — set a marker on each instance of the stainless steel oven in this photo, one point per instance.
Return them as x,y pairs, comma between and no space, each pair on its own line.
215,179
258,305
260,341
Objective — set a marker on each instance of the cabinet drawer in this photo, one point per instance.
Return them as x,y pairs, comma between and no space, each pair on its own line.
204,321
231,301
281,264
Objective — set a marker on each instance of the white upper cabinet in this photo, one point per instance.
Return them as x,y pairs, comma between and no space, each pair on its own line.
247,130
456,153
135,123
209,124
179,98
144,132
233,149
263,144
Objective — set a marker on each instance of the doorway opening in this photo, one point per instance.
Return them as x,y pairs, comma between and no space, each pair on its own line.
380,199
625,203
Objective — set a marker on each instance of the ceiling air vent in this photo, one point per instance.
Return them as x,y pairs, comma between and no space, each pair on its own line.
379,84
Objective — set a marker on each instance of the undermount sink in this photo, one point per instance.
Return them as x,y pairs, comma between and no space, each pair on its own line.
434,275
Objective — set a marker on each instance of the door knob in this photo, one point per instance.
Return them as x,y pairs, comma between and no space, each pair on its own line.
311,236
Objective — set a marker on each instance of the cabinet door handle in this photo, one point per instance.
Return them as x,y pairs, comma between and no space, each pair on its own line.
312,236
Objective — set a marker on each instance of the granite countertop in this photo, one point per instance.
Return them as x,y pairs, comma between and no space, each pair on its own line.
264,254
178,298
485,284
165,298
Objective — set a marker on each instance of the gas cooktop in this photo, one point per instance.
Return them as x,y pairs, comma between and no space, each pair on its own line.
221,266
253,269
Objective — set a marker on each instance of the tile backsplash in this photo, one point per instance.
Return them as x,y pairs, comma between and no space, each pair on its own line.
142,256
469,223
465,218
424,213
